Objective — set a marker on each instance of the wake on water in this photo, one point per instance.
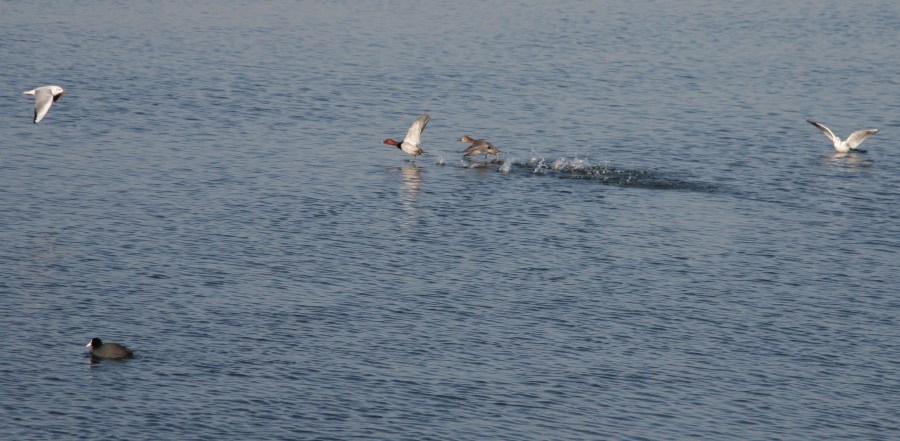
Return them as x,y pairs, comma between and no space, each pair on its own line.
585,169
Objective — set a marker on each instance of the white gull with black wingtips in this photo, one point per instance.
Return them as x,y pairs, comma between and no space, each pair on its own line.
851,143
43,98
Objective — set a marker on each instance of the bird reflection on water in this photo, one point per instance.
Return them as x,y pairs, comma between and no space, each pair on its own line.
412,186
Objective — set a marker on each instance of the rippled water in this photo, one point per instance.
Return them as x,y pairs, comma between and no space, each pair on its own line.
669,251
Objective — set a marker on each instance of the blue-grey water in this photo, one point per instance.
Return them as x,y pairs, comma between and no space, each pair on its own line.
668,251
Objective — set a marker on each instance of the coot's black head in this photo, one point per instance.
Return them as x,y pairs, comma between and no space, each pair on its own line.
95,343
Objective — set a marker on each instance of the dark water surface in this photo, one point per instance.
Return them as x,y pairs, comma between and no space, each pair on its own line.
668,252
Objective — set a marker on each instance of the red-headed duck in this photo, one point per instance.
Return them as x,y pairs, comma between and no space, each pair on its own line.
413,138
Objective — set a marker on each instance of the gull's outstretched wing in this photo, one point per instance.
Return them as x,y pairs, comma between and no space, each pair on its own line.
856,138
43,98
824,129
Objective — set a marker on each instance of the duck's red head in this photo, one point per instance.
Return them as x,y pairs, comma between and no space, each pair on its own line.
390,141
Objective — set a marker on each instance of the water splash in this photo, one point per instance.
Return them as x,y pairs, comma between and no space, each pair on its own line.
538,163
583,168
506,166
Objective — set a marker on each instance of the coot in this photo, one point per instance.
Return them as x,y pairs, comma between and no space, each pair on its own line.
112,351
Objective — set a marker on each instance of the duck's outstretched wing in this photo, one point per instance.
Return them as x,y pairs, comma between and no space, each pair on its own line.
414,135
479,146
